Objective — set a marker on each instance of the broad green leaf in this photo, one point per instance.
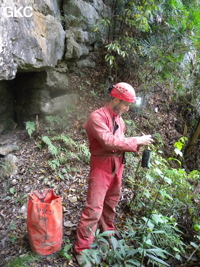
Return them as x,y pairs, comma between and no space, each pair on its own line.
167,180
194,245
158,218
197,227
114,242
157,259
164,193
148,242
12,190
106,233
134,262
150,225
150,178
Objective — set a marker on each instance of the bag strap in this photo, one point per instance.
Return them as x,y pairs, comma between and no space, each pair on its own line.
41,194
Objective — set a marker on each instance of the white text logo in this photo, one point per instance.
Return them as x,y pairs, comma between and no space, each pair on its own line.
18,12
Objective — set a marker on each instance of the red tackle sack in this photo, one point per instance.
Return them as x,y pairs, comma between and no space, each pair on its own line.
44,222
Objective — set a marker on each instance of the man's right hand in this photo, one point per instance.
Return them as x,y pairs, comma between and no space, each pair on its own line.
144,140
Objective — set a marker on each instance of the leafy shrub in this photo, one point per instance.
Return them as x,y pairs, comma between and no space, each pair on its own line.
123,253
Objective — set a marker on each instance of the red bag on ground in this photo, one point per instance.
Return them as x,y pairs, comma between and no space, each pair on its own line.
45,222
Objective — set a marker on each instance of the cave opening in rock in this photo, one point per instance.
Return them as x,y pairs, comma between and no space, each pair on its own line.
33,94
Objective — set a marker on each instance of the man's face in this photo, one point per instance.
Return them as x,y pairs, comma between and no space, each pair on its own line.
121,107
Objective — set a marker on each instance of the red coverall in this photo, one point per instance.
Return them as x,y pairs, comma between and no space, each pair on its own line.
106,168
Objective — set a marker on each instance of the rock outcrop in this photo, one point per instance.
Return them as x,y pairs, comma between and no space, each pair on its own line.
39,40
31,40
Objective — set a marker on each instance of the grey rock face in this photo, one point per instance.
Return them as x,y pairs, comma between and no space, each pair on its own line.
29,42
39,41
6,149
9,166
60,104
81,18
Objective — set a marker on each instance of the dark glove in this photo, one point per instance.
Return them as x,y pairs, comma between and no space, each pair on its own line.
146,156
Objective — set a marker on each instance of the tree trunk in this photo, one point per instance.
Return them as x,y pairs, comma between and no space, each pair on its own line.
192,141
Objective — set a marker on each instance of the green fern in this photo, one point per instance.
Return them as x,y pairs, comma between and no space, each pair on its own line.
23,260
65,149
52,149
63,158
73,155
30,127
58,122
51,120
54,163
83,149
65,252
68,141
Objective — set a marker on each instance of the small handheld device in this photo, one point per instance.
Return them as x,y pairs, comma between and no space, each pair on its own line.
146,157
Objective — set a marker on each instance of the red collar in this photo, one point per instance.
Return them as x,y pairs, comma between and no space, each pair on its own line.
111,111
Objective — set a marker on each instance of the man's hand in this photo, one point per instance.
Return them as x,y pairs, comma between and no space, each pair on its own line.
144,140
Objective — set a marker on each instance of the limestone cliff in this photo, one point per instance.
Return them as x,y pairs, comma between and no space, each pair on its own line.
39,39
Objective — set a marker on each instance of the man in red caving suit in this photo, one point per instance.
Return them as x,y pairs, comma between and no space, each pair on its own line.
105,129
